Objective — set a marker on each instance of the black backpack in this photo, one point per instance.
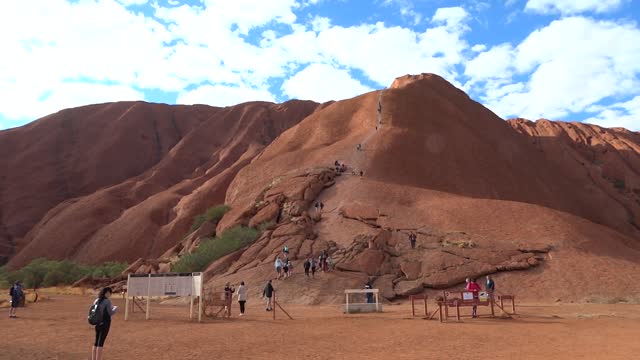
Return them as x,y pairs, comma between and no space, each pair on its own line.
95,316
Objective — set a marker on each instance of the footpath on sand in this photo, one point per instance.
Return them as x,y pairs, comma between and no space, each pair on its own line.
57,329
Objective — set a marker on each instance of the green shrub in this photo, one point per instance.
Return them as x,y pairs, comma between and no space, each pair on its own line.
213,214
44,272
211,249
110,269
4,280
619,184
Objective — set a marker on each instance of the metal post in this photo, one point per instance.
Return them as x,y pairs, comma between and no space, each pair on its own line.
426,311
126,303
346,295
201,298
148,296
377,302
413,310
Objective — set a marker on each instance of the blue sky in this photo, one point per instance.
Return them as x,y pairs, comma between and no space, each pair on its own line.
564,59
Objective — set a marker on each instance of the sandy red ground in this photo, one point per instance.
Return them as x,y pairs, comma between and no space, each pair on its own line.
57,329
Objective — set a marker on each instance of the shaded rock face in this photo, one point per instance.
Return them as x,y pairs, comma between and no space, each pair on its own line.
137,189
610,157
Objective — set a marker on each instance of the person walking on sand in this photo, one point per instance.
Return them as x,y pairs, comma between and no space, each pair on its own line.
228,298
473,286
313,267
278,264
241,293
268,293
105,310
307,267
16,293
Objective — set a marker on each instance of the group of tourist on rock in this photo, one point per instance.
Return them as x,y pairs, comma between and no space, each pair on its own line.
284,268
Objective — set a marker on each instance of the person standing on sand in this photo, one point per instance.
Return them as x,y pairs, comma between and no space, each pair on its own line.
313,267
268,293
228,298
369,295
490,286
16,294
473,286
241,293
307,266
102,329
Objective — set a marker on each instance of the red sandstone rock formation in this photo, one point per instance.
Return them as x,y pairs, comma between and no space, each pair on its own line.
124,180
555,199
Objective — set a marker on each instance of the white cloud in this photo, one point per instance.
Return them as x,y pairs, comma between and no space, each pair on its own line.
452,16
570,64
479,48
321,82
569,7
320,23
406,9
625,114
495,63
384,52
223,95
65,95
132,2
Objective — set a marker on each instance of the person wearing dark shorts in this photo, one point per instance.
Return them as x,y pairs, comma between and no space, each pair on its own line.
16,293
102,329
268,293
313,267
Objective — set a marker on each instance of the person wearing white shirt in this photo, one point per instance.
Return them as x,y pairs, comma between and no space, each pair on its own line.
241,293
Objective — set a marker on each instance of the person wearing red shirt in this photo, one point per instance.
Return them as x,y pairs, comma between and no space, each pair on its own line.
473,286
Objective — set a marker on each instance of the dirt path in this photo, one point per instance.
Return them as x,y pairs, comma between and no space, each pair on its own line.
57,329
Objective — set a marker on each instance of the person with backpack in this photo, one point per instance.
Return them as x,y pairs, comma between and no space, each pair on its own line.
268,293
100,316
16,294
241,292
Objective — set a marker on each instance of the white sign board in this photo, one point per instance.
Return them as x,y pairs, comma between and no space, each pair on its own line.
168,284
467,295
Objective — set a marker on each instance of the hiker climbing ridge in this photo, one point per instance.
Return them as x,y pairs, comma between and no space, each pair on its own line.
357,160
